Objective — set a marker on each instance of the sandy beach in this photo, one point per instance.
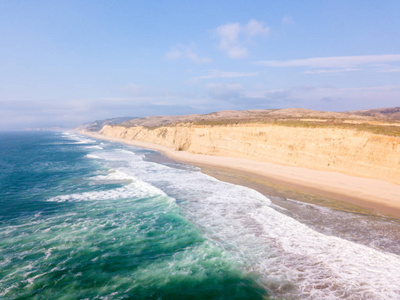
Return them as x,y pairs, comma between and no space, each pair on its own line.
375,194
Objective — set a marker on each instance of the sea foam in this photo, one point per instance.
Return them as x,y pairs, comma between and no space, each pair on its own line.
293,259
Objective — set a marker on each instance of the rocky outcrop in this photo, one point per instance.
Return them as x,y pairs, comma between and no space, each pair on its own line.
349,151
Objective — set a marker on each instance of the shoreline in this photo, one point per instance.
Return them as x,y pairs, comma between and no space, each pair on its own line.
374,194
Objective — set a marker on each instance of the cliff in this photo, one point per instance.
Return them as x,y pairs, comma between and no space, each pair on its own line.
363,153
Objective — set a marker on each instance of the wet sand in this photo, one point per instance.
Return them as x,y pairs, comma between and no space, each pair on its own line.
373,194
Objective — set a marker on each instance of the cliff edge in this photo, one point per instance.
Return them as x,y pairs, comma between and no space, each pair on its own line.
359,146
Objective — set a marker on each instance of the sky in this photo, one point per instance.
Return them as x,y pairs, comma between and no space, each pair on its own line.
64,63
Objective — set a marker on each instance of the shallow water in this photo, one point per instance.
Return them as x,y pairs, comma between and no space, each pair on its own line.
84,218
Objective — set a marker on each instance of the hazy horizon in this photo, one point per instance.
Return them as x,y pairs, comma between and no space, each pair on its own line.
65,63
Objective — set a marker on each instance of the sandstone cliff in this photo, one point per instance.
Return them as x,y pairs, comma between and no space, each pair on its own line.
345,150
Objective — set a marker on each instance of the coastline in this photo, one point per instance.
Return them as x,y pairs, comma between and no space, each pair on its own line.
377,195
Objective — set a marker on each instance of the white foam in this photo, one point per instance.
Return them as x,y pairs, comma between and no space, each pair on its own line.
94,147
79,139
116,175
32,279
92,156
136,189
281,249
84,141
48,252
6,290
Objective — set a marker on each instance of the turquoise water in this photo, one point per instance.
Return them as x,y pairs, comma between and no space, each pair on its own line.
72,228
88,219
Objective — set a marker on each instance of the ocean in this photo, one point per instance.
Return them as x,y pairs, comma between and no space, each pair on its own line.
82,218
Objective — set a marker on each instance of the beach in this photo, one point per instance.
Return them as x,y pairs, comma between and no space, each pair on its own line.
375,194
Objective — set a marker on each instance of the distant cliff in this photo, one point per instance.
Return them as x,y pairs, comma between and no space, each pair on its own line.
99,124
391,113
357,150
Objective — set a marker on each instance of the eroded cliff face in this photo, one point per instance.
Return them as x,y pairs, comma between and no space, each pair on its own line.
348,151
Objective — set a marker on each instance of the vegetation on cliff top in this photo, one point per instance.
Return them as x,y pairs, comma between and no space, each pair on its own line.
381,121
380,129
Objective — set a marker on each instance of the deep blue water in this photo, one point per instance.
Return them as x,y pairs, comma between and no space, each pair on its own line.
88,219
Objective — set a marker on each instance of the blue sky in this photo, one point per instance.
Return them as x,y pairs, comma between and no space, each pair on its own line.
67,62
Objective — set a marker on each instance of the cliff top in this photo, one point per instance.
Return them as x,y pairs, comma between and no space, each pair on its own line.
392,113
380,121
383,116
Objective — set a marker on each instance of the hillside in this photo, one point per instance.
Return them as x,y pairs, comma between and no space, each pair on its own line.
292,117
99,124
392,113
259,115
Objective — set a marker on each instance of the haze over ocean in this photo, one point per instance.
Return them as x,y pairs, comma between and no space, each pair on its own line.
85,218
64,63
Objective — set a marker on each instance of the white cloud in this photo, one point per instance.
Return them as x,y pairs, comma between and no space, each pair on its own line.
229,86
340,64
388,69
333,62
191,55
215,74
325,98
186,52
287,20
173,54
229,40
254,28
328,98
330,71
231,36
229,33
